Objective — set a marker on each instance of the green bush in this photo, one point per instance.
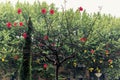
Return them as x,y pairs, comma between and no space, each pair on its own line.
71,31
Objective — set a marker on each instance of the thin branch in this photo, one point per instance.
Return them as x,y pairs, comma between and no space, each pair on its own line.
69,57
45,55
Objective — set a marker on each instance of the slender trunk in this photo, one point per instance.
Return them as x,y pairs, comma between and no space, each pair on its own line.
26,63
87,74
56,72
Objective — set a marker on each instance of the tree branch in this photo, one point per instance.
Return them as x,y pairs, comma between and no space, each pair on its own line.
69,57
45,55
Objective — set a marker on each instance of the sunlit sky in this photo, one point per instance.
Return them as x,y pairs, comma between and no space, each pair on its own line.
108,6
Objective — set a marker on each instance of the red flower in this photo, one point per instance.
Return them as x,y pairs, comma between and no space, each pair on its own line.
52,11
15,24
107,52
45,66
43,11
92,51
9,25
45,37
83,39
21,23
110,60
19,11
24,35
80,9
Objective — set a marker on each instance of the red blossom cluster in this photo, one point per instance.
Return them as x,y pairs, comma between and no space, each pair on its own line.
80,8
52,11
92,51
19,11
21,23
24,35
45,66
15,24
9,24
45,37
44,11
83,39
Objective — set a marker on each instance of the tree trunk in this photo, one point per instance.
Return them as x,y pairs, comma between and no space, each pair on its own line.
26,63
87,74
56,72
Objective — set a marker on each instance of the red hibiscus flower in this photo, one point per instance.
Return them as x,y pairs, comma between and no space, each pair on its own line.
15,24
21,23
45,66
43,11
24,35
83,39
52,11
80,9
45,37
9,25
92,51
19,11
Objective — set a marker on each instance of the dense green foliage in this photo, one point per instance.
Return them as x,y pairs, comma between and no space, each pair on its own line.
88,36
